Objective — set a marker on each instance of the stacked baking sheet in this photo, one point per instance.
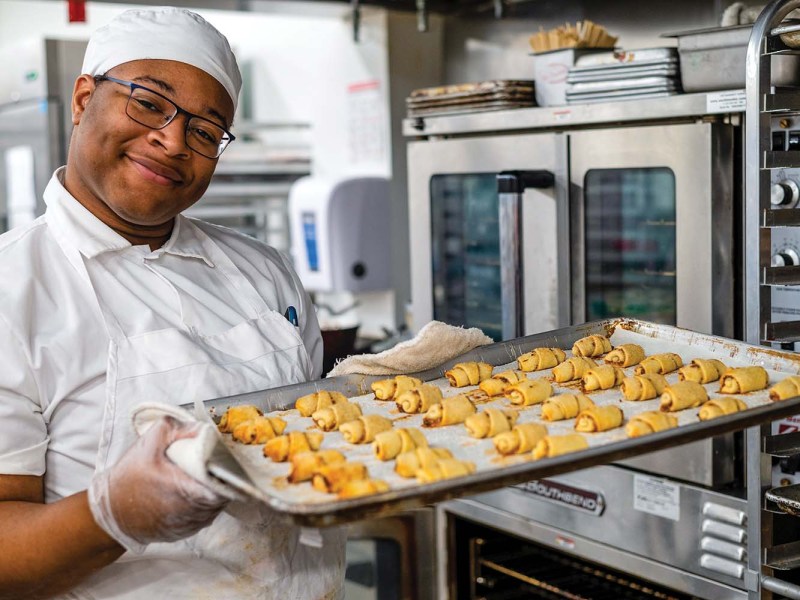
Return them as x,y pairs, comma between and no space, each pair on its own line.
470,97
624,75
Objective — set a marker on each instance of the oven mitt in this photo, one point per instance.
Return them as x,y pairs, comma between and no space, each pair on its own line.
435,344
190,454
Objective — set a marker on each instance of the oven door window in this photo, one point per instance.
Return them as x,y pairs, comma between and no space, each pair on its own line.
630,244
466,251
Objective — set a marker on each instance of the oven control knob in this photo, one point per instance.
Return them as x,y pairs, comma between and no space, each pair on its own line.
785,194
786,257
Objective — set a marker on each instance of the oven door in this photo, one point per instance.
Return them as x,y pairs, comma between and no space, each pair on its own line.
652,231
460,230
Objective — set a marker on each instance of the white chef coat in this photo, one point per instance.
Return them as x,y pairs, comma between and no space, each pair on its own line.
53,347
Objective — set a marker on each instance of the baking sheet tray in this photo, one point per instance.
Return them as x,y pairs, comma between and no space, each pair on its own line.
244,467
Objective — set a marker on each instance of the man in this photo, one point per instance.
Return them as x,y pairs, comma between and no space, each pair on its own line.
112,299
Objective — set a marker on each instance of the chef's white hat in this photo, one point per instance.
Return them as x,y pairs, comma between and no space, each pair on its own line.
167,34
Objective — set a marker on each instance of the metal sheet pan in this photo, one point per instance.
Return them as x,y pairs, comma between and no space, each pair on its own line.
244,467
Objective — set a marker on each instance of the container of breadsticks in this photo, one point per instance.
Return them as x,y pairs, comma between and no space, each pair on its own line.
348,448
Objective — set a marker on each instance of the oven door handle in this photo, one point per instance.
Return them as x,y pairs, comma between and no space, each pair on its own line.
511,186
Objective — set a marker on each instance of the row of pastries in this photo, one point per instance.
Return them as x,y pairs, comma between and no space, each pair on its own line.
509,411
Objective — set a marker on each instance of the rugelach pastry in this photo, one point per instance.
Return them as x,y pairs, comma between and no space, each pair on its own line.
590,346
237,414
332,478
331,418
258,430
643,387
522,438
363,487
388,444
445,468
284,447
572,368
497,384
419,398
468,373
602,377
743,379
408,463
702,370
682,395
541,358
565,406
364,429
311,403
599,418
625,355
490,422
529,392
449,411
719,407
659,363
390,389
785,389
649,422
305,464
555,445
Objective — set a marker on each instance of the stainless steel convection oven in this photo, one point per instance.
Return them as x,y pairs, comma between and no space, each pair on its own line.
528,220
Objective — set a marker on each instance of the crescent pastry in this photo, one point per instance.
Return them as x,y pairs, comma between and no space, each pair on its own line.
659,363
643,387
702,370
364,429
599,418
649,422
497,384
683,395
625,355
445,468
305,464
529,392
448,412
408,463
490,422
329,419
363,487
259,430
572,368
541,358
468,373
593,345
522,438
603,377
565,406
419,399
332,478
311,403
719,407
555,445
237,414
389,444
390,389
785,389
743,379
284,447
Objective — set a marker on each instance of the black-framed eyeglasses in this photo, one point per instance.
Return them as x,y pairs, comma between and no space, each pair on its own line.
153,110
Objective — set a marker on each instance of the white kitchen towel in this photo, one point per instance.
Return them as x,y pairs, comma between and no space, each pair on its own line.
190,454
435,344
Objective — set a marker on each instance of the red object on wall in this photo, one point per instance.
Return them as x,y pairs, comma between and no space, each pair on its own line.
77,11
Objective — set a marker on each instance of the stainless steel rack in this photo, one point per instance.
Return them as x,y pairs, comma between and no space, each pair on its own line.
768,109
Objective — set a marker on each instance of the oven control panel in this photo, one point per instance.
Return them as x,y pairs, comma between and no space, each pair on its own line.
785,248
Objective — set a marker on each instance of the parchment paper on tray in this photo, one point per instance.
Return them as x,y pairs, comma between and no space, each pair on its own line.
266,480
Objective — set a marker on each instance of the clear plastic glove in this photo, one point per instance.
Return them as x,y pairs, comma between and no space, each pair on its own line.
146,498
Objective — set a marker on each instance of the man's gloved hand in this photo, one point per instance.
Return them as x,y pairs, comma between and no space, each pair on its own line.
146,497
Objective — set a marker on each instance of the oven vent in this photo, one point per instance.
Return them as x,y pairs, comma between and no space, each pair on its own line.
723,546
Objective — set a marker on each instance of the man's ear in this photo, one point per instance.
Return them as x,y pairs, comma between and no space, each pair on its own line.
81,93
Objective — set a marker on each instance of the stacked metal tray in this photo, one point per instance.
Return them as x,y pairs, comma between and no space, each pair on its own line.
245,468
624,75
471,97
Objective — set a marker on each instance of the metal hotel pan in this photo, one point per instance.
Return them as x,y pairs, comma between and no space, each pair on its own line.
323,511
